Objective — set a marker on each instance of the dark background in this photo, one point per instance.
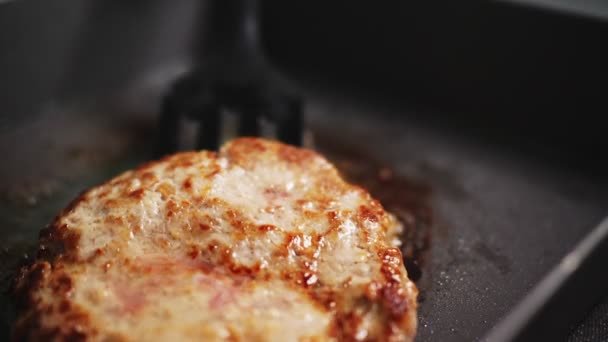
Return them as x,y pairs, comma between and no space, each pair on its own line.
531,78
520,75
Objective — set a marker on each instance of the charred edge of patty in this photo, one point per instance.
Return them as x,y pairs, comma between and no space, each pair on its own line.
31,326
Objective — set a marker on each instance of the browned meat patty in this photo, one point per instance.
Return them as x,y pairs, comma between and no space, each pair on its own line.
261,242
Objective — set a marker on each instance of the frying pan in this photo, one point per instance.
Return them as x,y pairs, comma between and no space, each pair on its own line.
490,246
503,218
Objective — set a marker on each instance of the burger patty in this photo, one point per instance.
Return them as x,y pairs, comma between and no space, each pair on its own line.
259,242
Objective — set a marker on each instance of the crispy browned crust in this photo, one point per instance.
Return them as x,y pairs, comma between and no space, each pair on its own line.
30,326
59,248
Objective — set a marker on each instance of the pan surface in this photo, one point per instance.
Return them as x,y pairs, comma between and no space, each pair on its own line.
499,221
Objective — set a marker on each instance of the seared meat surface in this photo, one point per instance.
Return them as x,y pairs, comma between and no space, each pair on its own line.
261,241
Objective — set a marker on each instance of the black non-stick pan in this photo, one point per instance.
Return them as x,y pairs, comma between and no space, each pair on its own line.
497,218
500,223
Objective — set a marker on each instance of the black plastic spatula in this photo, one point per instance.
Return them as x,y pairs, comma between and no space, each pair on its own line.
233,75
